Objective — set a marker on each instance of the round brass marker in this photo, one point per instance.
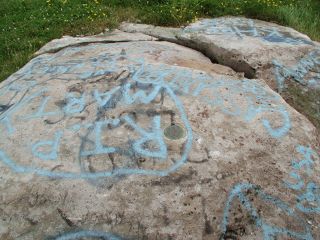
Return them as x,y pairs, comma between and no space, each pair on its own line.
174,132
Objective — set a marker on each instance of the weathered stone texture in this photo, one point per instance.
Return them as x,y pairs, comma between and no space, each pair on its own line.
150,140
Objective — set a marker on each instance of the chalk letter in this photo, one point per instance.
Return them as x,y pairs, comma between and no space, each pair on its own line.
74,105
155,136
310,198
53,144
103,98
41,112
99,148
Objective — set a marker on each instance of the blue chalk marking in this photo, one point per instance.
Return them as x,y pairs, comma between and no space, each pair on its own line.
103,98
182,81
99,148
158,74
15,87
252,31
242,29
45,65
218,100
252,111
281,131
156,79
298,72
54,148
315,56
297,186
155,135
270,232
75,105
4,90
140,96
8,124
75,127
105,61
65,68
281,74
120,171
6,117
314,82
259,92
41,111
309,202
87,234
307,161
274,36
202,86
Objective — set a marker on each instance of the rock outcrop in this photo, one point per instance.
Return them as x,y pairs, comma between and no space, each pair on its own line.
288,61
257,48
147,139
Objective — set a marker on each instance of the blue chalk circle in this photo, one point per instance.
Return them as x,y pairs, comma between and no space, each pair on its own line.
148,83
154,135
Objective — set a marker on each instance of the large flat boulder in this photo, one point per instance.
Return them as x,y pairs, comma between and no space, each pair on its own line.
150,140
257,48
288,61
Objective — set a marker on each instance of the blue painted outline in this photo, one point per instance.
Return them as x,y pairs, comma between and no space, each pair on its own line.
122,171
159,84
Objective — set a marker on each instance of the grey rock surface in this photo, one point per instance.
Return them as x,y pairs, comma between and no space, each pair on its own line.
108,37
151,140
259,49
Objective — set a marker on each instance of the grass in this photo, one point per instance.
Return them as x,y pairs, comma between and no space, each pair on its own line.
26,25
